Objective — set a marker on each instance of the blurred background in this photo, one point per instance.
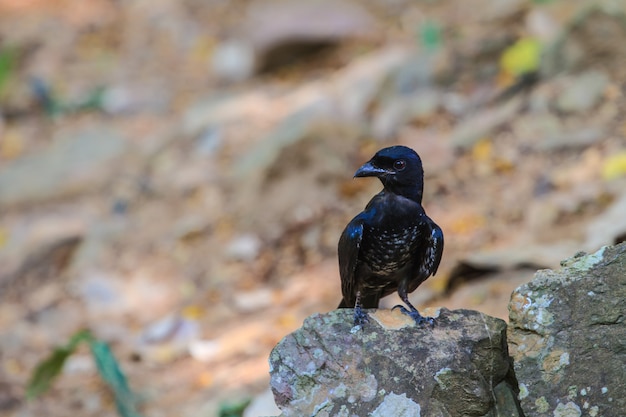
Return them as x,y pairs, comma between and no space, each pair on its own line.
175,174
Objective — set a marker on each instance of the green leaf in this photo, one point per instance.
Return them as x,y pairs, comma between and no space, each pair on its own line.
234,409
430,35
112,374
93,101
8,60
47,370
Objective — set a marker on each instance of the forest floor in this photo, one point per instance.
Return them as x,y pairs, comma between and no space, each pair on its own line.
175,175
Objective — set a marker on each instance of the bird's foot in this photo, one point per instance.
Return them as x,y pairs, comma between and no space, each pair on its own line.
415,315
360,317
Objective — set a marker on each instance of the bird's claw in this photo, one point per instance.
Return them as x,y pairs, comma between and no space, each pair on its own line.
360,317
415,315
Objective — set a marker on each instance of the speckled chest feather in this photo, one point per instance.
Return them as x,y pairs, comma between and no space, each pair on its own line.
388,250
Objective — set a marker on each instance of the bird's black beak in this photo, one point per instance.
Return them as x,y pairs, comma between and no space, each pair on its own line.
369,170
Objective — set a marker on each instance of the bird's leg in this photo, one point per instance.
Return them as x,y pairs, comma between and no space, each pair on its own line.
412,311
360,317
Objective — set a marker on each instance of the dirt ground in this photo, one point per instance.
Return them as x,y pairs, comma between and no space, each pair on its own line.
175,175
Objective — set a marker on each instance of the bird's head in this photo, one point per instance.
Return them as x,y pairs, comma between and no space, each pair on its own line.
399,169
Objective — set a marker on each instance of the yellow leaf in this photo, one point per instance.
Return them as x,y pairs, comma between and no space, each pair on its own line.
503,165
614,166
192,312
205,379
11,145
522,57
467,224
4,237
439,283
482,150
288,321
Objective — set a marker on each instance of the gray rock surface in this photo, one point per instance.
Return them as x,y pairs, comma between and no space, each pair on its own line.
270,24
392,367
483,123
38,253
79,162
567,335
580,94
273,34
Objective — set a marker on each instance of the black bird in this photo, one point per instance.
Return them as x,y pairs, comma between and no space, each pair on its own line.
392,245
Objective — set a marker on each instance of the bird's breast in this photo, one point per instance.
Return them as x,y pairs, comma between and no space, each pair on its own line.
386,250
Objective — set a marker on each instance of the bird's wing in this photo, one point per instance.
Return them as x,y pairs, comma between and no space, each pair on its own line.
428,254
349,245
434,249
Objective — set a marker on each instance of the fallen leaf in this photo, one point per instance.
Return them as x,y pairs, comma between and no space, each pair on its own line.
4,237
468,224
193,312
522,57
482,150
614,166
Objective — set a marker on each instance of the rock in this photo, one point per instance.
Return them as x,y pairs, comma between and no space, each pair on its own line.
169,339
38,252
347,95
117,100
454,103
190,227
109,296
244,247
82,162
132,98
392,367
357,86
582,138
566,336
545,132
437,153
501,10
252,301
271,26
398,111
233,60
209,141
482,124
207,114
292,129
273,176
277,33
542,25
416,73
583,92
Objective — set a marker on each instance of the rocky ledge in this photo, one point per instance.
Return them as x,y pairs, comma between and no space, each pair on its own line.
566,337
392,367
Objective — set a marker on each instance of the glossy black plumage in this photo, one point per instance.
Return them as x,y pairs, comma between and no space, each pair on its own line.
392,245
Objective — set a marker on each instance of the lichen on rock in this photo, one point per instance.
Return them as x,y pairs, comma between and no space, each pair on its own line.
566,335
393,367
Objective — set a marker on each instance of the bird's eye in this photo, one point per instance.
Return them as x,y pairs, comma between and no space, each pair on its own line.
399,165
